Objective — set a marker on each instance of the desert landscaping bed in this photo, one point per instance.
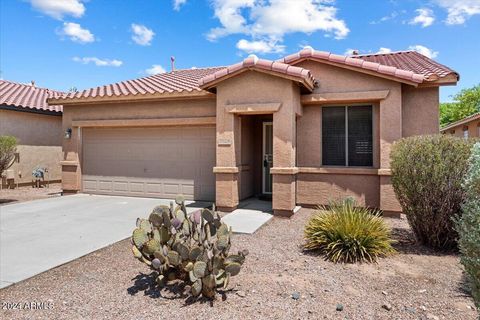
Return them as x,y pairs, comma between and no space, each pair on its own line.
21,194
277,281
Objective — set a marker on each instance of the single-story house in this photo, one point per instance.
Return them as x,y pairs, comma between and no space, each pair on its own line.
466,127
26,115
306,129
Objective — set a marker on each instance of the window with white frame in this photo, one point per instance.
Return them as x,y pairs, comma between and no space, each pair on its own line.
347,136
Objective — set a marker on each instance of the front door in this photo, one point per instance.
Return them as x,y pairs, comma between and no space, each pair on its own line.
267,157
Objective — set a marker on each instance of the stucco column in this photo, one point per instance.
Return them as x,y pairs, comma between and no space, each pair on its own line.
390,131
228,151
284,162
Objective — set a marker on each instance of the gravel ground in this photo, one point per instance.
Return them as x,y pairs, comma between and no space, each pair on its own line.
111,284
9,196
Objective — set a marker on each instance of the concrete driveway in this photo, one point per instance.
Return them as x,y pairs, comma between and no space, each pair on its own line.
38,235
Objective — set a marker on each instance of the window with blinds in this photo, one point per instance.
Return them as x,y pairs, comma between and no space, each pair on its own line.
347,136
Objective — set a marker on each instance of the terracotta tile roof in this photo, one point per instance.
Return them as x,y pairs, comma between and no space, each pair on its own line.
388,70
253,62
179,81
411,61
408,66
465,120
27,96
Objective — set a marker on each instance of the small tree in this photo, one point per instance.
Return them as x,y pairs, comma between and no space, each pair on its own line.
427,175
8,147
466,102
468,225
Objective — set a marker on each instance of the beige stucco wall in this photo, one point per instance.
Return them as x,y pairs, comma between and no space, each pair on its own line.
40,139
388,127
420,110
254,87
171,109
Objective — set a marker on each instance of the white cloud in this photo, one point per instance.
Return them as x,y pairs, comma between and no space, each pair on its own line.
142,35
424,17
391,16
59,8
260,46
268,21
76,33
155,69
99,62
383,50
178,3
425,51
459,10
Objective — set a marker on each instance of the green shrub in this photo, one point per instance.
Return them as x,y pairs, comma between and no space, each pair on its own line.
346,233
468,225
192,248
427,173
8,147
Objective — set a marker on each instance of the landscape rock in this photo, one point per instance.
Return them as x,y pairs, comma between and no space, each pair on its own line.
387,306
241,294
339,307
295,296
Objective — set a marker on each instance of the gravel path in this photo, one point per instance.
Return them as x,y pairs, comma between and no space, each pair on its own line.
111,284
9,196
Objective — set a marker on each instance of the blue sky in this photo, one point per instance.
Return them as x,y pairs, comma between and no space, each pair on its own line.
75,43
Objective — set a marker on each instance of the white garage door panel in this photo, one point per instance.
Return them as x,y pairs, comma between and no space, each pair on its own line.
150,162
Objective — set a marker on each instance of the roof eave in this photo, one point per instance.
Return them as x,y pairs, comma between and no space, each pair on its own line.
196,94
211,85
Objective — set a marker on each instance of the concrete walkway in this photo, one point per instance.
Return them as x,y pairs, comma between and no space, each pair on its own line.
250,216
38,235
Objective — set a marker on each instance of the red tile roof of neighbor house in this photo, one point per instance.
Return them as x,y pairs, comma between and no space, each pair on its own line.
253,62
411,61
27,96
465,120
407,66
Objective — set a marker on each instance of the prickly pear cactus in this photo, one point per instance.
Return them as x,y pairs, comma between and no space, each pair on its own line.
193,248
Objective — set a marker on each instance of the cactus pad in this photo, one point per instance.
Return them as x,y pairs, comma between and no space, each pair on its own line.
139,237
136,252
233,268
199,269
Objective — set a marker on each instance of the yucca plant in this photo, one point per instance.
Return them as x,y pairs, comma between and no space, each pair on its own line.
344,232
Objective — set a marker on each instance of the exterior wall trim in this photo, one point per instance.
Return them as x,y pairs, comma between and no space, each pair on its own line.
253,108
284,170
201,121
346,171
226,170
344,97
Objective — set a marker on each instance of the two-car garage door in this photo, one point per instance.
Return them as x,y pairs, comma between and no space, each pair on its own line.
150,162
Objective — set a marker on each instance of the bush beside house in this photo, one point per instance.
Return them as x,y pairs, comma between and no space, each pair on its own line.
427,173
8,147
468,225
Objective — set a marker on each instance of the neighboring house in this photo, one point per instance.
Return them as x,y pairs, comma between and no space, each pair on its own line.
306,129
25,114
466,127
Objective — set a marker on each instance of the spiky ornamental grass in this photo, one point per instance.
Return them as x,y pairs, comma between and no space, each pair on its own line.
344,233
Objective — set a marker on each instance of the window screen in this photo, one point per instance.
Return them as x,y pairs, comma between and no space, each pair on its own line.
333,133
360,149
347,136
